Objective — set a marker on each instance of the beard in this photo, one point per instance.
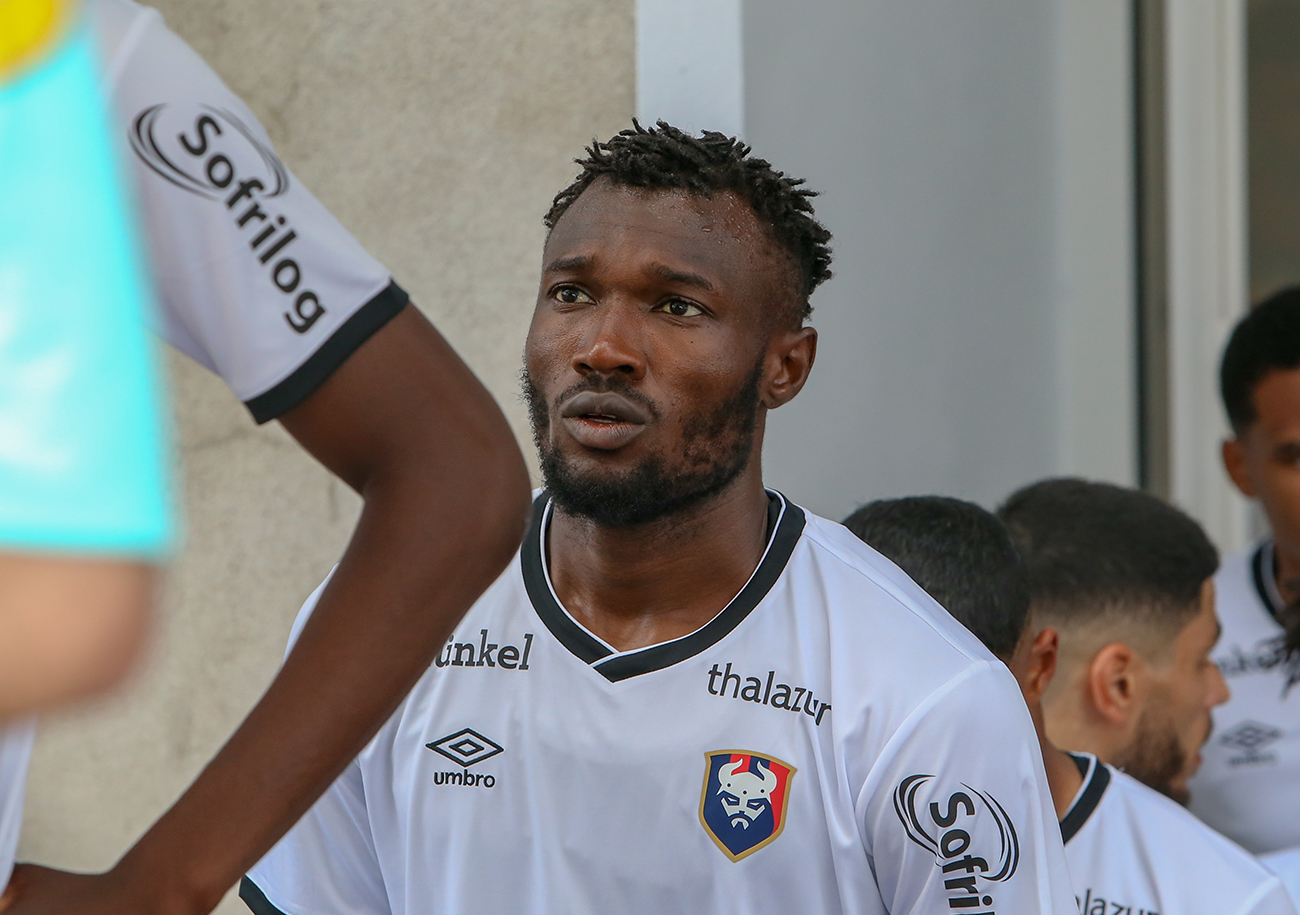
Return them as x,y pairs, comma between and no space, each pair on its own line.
715,449
1156,756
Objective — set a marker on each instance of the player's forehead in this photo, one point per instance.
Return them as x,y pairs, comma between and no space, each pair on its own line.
717,236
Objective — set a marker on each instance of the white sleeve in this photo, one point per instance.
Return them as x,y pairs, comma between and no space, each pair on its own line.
957,816
257,281
326,864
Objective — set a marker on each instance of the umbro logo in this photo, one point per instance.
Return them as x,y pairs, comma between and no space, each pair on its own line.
1250,738
467,747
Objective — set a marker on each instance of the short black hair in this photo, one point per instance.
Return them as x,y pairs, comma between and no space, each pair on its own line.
1267,339
960,554
665,158
1096,552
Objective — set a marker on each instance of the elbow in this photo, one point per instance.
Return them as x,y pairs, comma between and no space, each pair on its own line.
500,492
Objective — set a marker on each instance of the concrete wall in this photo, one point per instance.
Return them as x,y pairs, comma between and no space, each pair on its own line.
438,132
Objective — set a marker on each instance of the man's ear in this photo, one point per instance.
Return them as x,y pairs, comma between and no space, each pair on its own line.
1234,461
1043,651
1116,686
790,358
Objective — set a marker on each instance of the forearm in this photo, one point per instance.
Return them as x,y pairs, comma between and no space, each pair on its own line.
404,582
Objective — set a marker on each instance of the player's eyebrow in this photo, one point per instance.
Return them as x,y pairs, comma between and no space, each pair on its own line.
569,264
682,277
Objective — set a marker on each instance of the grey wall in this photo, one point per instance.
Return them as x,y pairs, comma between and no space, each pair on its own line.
978,245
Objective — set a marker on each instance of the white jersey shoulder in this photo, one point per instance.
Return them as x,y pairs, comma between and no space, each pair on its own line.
256,280
1133,850
1248,786
831,741
1286,864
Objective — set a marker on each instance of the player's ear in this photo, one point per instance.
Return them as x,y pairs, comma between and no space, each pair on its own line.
790,357
1115,684
1041,666
1234,461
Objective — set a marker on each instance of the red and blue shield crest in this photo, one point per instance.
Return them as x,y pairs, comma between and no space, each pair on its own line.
742,806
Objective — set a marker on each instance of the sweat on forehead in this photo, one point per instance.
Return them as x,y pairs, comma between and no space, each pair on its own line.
664,158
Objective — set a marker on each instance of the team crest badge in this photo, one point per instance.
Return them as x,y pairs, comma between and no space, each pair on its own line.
742,806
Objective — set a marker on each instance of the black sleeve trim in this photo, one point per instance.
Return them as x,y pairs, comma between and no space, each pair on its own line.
255,899
355,331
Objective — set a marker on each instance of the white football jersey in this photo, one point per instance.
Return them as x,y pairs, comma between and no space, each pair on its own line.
1133,851
272,312
1248,786
1286,864
256,280
15,750
832,741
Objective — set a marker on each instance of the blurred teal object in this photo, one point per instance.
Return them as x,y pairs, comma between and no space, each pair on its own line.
84,465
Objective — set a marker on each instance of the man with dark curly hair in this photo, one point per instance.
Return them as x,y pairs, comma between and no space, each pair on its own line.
687,694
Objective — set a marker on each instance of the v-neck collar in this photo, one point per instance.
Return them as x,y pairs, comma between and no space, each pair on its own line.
1265,579
785,524
1096,777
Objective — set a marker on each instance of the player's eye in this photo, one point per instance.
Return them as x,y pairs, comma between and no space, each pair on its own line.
681,308
570,295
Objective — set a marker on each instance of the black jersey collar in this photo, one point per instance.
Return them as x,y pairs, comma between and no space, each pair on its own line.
785,523
1265,577
1095,779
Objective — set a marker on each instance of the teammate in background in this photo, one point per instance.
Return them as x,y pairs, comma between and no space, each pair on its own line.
260,284
1249,787
686,694
1128,848
1125,579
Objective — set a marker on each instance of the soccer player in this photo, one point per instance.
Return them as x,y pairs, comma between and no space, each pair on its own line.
1129,849
258,282
686,693
1249,786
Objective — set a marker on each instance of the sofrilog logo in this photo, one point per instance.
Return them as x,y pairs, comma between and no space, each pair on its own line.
210,152
969,833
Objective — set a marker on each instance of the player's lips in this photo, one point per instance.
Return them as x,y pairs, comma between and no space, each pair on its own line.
603,420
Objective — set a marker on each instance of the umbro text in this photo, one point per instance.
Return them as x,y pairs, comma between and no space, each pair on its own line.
465,779
485,653
722,682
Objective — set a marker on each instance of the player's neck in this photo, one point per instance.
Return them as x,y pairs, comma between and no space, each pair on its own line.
1063,776
643,585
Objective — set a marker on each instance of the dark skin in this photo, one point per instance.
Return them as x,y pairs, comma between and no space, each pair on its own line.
1263,461
404,423
677,294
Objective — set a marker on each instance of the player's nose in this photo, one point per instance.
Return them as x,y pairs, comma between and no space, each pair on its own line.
612,344
1219,692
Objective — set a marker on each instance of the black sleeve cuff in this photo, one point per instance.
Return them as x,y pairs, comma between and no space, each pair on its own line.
255,899
355,331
